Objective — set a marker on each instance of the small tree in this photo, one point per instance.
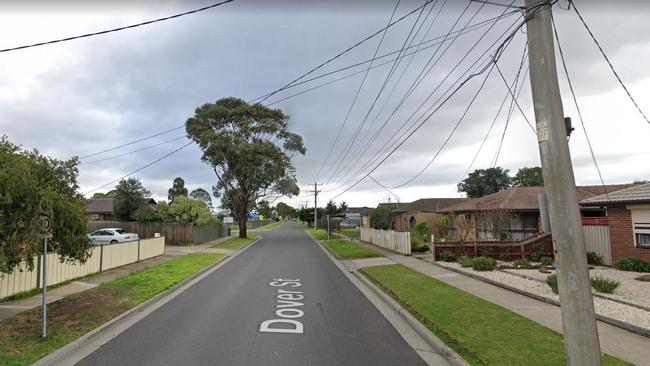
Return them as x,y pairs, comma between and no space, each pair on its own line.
177,189
249,147
420,233
528,177
482,182
264,209
30,185
186,211
494,224
381,217
129,198
203,195
285,210
331,208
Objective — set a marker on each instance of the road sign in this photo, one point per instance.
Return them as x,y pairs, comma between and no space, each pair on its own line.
228,220
47,224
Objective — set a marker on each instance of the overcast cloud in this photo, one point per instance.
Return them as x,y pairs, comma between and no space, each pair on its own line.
83,96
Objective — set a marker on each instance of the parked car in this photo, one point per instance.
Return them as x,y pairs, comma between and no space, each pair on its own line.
111,236
347,225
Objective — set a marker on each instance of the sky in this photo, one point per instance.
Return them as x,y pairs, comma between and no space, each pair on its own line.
80,97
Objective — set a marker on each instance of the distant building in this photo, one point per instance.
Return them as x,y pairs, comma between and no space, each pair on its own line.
426,210
359,215
102,209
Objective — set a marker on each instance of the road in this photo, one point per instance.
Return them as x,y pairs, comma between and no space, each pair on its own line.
217,320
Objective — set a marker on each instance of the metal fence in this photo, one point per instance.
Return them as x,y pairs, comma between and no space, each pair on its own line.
103,257
174,233
398,241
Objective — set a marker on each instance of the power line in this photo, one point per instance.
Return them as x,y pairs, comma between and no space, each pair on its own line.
575,101
387,146
141,168
356,95
133,142
134,151
115,29
608,61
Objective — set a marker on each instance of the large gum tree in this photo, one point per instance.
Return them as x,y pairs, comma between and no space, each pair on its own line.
249,148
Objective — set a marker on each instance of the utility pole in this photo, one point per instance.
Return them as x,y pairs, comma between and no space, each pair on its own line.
576,301
316,192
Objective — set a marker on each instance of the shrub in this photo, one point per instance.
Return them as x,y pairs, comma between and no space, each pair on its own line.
552,282
632,264
420,233
522,263
547,261
448,256
419,248
484,264
536,256
593,258
465,261
604,285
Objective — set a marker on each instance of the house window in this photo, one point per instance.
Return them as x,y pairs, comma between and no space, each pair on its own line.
412,222
641,224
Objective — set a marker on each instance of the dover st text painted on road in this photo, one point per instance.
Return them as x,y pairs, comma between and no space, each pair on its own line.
287,308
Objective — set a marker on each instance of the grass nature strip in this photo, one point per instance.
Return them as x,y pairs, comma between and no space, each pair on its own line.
318,234
479,331
351,233
78,314
345,249
236,243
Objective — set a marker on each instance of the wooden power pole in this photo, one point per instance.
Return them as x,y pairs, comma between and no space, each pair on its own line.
576,301
315,191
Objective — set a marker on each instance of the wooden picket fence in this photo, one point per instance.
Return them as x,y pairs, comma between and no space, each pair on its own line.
174,233
397,241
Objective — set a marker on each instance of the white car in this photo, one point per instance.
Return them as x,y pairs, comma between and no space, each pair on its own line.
111,236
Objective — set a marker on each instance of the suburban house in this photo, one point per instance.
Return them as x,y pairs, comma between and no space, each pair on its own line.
102,209
359,215
627,220
424,210
512,214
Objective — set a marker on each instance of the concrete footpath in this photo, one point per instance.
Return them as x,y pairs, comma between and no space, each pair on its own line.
615,341
11,308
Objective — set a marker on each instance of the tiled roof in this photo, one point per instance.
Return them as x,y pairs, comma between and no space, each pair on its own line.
358,210
397,206
430,204
103,205
636,194
525,198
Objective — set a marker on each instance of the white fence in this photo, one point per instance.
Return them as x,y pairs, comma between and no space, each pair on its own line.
398,241
103,257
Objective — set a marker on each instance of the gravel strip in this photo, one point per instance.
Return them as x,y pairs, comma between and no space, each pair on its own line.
604,307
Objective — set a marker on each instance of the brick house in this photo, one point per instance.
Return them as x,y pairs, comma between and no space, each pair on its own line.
628,218
424,210
516,210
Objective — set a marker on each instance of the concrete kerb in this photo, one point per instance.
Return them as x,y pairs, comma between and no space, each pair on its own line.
78,349
434,342
605,319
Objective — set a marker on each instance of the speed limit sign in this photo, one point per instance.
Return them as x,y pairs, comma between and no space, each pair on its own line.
47,224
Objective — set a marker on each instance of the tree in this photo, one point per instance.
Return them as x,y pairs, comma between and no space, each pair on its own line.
30,185
482,182
265,209
203,195
528,177
147,214
100,195
177,189
285,210
331,208
129,198
343,207
185,210
249,148
381,217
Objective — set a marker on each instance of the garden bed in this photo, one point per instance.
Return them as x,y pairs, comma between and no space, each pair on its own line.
535,284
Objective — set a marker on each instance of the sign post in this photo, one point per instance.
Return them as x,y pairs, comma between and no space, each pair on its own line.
46,223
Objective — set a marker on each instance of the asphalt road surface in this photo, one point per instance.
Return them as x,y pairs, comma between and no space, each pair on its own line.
217,321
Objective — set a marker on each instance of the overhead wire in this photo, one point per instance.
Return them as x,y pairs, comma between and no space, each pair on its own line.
132,152
115,29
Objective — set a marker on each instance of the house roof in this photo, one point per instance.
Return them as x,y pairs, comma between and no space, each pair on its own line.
358,210
103,205
525,198
635,194
396,206
429,204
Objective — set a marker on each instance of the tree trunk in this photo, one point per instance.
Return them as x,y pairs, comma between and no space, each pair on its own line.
242,226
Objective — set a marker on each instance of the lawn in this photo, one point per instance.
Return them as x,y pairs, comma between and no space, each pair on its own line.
76,315
319,234
345,249
351,233
236,243
479,331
